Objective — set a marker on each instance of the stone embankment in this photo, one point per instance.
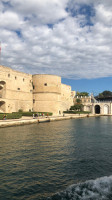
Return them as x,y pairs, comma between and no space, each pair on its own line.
30,120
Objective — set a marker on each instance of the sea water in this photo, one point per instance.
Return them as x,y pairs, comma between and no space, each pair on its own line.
61,160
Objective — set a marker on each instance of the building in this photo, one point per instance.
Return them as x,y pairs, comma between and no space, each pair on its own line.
101,106
39,92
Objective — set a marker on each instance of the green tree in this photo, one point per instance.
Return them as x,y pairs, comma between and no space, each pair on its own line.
77,107
82,94
105,93
78,100
77,93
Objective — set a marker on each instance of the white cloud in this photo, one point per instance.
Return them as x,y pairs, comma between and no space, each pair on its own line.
10,20
104,14
45,11
42,37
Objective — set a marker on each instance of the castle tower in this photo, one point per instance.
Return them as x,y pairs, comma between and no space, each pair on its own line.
46,93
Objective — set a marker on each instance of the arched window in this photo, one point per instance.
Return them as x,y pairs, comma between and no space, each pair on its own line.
2,89
2,106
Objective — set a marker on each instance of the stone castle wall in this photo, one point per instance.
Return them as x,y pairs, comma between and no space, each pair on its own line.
46,93
50,95
40,93
66,97
15,90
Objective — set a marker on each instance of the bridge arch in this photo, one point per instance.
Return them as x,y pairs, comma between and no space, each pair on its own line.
97,109
106,109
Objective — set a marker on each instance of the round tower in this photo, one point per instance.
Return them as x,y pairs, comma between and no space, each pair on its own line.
46,93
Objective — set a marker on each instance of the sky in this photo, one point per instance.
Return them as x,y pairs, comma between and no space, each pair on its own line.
68,38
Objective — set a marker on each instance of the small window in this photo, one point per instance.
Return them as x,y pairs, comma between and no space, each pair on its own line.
59,112
15,77
23,79
45,84
8,75
18,88
33,100
33,87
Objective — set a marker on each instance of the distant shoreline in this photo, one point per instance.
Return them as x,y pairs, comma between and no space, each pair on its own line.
30,120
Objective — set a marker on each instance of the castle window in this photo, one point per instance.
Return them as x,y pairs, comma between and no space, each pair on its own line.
15,77
33,100
18,88
8,75
45,84
33,87
23,79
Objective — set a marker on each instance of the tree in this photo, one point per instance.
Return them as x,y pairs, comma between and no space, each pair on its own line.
77,107
82,94
78,100
77,93
105,93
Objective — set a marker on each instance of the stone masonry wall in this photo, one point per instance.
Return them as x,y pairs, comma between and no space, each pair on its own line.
40,92
15,90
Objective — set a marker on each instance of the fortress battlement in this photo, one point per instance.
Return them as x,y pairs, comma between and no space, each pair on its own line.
38,92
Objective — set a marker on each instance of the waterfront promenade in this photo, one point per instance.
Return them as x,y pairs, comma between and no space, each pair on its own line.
30,120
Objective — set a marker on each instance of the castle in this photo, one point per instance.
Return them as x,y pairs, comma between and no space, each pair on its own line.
39,92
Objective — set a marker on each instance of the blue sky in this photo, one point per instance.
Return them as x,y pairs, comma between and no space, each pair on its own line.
69,38
92,86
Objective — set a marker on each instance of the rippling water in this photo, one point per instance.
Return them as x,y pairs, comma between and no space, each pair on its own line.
63,160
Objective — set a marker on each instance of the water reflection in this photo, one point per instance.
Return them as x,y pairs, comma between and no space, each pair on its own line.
39,159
